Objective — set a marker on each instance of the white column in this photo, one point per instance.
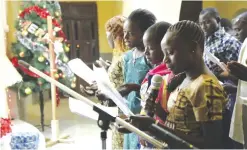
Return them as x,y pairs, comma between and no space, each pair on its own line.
8,75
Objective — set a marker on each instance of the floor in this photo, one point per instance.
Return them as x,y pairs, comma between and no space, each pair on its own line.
83,131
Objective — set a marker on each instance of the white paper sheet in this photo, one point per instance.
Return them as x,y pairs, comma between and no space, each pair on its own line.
81,108
79,68
215,60
103,82
106,87
102,74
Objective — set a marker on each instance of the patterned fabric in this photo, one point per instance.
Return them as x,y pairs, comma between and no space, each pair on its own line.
202,100
163,96
134,72
25,140
117,140
224,46
115,73
231,98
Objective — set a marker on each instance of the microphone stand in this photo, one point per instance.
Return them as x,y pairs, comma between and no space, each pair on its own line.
173,141
103,122
104,119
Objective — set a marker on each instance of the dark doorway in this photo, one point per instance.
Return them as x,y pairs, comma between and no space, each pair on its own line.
190,10
81,28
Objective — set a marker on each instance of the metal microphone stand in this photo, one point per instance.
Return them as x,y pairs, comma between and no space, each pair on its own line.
104,123
104,117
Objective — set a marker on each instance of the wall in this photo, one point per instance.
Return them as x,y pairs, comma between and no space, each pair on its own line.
165,10
12,13
227,9
106,10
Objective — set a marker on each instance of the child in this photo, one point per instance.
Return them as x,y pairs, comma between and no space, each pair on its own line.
134,65
196,103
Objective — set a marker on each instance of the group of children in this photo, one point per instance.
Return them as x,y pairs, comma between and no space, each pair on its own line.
191,103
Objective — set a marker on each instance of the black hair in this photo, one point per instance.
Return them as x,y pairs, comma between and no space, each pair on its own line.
158,30
143,17
213,12
189,31
226,23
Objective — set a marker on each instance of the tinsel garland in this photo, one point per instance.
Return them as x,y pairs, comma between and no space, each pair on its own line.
29,44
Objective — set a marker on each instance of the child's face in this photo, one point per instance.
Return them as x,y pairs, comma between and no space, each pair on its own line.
177,55
208,24
240,29
132,34
153,50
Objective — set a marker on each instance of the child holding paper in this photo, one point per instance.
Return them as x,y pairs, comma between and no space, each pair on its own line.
197,101
133,64
114,35
151,40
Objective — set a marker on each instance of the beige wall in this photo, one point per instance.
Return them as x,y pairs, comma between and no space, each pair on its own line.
164,10
226,8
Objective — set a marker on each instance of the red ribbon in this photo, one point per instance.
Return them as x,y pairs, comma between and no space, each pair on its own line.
15,63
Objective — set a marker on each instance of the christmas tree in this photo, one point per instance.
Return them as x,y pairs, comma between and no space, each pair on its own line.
32,45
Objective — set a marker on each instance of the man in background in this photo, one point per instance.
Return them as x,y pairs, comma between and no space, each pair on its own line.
226,48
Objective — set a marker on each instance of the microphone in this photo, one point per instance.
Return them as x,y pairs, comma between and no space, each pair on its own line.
94,106
173,141
152,94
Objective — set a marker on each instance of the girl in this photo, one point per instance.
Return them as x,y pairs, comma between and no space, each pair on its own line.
115,38
196,103
133,64
154,56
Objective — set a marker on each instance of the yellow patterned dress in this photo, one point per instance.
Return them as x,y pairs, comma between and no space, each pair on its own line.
115,73
201,101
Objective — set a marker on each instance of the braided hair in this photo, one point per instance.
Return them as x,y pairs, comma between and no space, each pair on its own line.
158,30
115,27
190,32
143,17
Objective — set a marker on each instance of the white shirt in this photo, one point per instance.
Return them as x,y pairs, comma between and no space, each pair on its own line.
236,129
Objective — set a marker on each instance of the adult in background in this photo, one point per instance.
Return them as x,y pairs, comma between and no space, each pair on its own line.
227,25
239,70
226,48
